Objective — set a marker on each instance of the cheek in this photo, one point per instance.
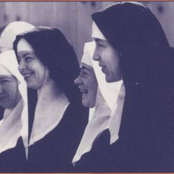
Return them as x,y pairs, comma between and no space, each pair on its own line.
40,71
32,66
114,61
11,91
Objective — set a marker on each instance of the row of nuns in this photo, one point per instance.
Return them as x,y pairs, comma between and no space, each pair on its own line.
116,115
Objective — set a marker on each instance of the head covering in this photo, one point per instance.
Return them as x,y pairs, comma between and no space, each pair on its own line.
15,120
124,25
4,71
106,114
86,58
11,31
96,33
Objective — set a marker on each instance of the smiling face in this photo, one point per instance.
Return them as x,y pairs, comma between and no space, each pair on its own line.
9,94
109,60
88,85
30,66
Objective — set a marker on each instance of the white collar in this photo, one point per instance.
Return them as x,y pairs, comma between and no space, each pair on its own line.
49,111
97,124
10,128
116,115
103,118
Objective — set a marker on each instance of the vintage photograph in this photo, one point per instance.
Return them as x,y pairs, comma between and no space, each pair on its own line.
86,87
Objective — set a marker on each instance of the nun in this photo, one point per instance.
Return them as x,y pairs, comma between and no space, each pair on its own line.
49,66
7,38
131,48
14,125
94,138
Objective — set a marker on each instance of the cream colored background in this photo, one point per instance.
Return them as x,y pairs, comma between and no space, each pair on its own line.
74,18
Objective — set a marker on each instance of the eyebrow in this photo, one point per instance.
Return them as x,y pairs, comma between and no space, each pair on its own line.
6,76
100,40
84,68
28,53
97,39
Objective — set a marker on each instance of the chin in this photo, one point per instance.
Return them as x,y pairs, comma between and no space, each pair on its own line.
85,103
91,105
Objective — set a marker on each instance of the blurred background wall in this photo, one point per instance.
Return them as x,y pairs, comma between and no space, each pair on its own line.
74,18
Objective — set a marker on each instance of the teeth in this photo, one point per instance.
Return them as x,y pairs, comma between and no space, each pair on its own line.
26,75
84,91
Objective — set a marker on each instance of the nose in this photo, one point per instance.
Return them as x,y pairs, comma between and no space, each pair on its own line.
96,55
78,80
22,65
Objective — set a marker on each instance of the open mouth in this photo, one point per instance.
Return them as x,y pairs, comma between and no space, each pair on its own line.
27,75
84,91
103,69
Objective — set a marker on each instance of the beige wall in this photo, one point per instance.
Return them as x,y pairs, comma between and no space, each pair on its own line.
74,18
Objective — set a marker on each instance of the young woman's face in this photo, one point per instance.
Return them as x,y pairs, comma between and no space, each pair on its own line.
30,66
87,83
109,60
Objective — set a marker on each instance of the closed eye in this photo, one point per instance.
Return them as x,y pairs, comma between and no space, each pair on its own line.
28,58
4,81
83,72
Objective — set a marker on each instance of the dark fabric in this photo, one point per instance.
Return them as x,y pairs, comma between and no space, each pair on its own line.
1,112
32,101
99,158
54,152
145,143
13,160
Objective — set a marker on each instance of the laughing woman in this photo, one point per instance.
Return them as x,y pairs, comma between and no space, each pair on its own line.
49,65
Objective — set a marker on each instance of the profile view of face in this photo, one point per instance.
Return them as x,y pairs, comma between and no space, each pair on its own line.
87,84
109,60
9,94
30,66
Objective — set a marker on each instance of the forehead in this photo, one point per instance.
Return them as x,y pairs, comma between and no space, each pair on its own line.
85,66
7,77
23,45
25,53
